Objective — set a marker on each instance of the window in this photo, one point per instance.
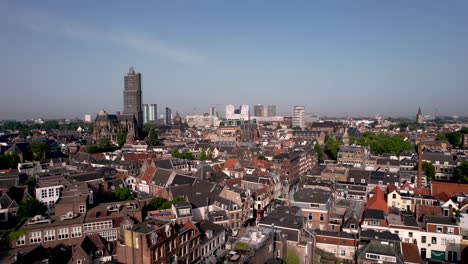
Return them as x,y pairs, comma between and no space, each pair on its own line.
451,242
57,192
79,261
76,231
321,217
35,237
62,233
343,253
51,192
352,226
434,240
21,240
423,239
49,235
43,193
109,235
440,229
410,234
351,180
363,181
82,209
450,230
310,216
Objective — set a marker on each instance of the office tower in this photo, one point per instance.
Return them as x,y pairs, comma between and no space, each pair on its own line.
258,110
212,111
271,110
298,119
145,113
241,113
132,96
87,118
168,117
230,111
153,112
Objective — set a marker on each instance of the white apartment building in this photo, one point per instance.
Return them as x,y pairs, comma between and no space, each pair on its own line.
298,117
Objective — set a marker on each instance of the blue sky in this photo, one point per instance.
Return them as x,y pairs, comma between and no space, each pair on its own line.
347,58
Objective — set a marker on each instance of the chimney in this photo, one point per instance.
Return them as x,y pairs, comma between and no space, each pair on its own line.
419,179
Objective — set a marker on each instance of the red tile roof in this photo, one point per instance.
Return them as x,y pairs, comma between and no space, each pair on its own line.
99,156
451,189
229,164
377,201
391,188
411,253
147,175
427,210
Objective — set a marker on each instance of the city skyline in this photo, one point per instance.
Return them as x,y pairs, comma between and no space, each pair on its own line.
335,59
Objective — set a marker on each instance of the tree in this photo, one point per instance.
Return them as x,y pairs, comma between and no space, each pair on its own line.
153,138
9,161
121,139
38,149
331,147
454,138
441,137
123,194
30,208
292,257
319,152
461,173
158,203
202,155
429,170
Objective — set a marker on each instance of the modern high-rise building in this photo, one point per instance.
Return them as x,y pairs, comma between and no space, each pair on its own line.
132,96
271,110
298,118
168,116
149,113
212,111
237,114
153,112
145,113
258,110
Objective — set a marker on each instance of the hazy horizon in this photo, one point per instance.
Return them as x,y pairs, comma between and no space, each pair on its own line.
65,59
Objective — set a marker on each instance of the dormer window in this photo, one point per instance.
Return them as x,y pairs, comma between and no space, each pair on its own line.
440,229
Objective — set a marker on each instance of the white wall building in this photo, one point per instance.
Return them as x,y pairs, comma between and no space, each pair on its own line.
298,117
237,114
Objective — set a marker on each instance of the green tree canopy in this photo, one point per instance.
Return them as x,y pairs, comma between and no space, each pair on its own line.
441,137
9,161
38,149
203,155
461,173
159,203
123,194
121,139
383,143
331,147
292,257
30,208
153,138
319,152
429,170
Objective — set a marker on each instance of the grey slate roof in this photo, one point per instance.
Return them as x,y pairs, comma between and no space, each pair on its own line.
442,220
374,214
312,196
